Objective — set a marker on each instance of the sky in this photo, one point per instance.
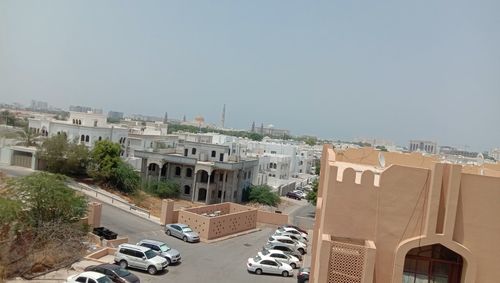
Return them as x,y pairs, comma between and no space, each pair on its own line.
394,70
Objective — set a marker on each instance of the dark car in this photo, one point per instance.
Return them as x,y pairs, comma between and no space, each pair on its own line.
115,273
303,275
293,195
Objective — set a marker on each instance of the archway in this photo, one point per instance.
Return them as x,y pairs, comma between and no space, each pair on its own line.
432,264
202,194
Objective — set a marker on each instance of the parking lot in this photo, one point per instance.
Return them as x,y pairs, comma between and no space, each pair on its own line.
223,261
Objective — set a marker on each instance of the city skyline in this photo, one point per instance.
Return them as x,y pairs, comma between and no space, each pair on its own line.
396,71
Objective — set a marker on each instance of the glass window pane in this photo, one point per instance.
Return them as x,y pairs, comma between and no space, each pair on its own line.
440,269
422,267
422,278
408,277
410,265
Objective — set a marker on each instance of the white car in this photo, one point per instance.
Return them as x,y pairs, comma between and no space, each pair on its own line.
280,256
284,229
292,236
89,277
301,247
260,265
302,194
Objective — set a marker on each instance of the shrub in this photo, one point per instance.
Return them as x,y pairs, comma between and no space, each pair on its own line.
264,195
125,179
163,189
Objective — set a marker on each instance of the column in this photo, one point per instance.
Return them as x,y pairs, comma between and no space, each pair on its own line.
193,192
223,187
209,193
159,172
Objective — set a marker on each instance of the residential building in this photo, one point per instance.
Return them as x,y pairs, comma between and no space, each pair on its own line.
449,150
86,128
412,219
423,146
206,172
270,130
39,105
115,115
495,153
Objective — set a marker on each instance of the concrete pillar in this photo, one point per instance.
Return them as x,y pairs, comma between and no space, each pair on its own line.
223,187
209,193
193,192
167,212
94,214
159,172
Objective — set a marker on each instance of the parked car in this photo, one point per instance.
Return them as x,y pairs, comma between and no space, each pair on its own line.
301,247
171,255
302,194
296,228
182,231
295,237
303,275
285,248
88,277
139,257
293,195
260,265
289,229
114,272
281,256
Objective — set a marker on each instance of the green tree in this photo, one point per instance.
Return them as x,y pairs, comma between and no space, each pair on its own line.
104,160
263,195
381,148
46,198
28,137
313,194
7,118
163,189
64,157
255,136
125,178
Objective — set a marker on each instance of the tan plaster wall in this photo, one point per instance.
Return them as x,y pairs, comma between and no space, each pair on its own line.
477,226
94,214
233,223
369,156
223,208
197,222
272,218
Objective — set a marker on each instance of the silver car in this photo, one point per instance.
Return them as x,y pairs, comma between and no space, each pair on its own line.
139,257
171,255
182,231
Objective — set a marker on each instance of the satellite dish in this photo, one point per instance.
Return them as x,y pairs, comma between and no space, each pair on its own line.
381,159
480,159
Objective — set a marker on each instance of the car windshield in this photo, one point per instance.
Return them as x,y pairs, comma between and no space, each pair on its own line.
279,263
150,254
280,230
265,252
104,279
122,272
164,248
187,230
257,258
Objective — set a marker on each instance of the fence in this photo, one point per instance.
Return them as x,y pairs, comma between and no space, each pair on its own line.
91,192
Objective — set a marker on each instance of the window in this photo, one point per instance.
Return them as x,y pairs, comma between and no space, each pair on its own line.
219,195
187,190
221,177
81,279
87,138
189,172
186,152
100,138
178,171
249,174
95,123
221,157
193,150
91,281
269,262
204,177
82,138
214,154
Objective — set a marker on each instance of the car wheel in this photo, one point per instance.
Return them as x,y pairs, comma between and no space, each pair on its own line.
293,265
185,239
258,271
123,264
168,232
152,270
301,251
168,261
285,273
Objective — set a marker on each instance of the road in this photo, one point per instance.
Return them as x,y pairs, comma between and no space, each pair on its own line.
223,261
15,171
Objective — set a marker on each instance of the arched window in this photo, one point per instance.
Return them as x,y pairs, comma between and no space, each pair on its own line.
87,138
73,121
434,263
214,154
193,150
100,138
187,190
82,138
189,172
177,171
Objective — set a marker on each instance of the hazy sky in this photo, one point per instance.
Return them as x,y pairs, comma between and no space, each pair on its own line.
397,70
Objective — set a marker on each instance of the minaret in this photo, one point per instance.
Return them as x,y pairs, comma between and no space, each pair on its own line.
165,119
223,120
253,127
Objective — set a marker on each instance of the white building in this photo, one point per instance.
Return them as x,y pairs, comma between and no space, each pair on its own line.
86,128
423,146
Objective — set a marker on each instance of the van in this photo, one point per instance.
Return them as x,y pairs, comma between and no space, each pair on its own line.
139,257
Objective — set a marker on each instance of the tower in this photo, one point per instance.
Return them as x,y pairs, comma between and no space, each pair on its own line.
223,118
253,127
165,119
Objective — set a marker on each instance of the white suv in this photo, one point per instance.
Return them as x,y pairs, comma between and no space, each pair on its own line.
139,257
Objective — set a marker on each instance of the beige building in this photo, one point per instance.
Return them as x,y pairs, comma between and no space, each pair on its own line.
413,220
